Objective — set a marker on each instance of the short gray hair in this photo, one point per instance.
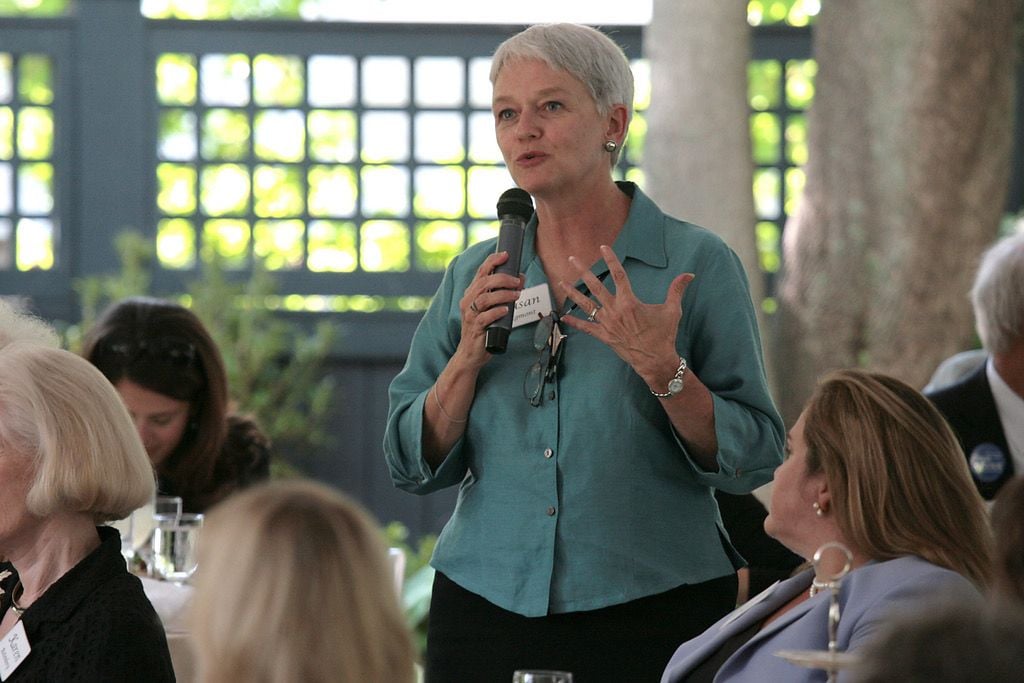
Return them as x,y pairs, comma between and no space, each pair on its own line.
67,420
586,53
17,325
998,294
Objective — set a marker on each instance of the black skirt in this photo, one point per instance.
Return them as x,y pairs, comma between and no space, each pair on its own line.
472,640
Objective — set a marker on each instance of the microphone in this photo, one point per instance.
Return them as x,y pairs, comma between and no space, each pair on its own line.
514,209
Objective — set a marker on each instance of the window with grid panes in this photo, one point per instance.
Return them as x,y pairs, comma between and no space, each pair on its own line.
331,163
27,223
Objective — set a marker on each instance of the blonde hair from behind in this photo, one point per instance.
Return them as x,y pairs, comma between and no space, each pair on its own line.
294,584
62,414
898,478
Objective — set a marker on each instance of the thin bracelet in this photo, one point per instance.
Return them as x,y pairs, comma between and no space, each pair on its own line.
443,411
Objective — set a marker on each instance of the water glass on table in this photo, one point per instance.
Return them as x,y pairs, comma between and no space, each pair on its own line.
529,676
175,540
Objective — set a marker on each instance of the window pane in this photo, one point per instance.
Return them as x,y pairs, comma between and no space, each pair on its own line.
176,79
480,82
766,138
177,136
35,133
332,81
176,188
6,245
796,140
279,191
34,244
280,135
6,77
439,137
332,191
439,192
385,191
483,146
384,246
332,247
176,243
332,136
483,230
641,84
279,243
767,192
764,84
385,137
768,246
277,80
228,240
437,243
795,181
35,79
225,135
484,186
225,79
35,189
440,82
386,81
634,151
224,190
800,75
6,133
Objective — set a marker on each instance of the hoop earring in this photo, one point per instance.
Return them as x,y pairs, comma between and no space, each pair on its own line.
610,146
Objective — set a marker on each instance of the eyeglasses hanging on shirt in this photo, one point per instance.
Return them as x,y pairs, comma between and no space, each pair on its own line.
549,341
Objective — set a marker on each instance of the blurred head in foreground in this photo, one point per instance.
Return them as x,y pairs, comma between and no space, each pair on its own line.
294,584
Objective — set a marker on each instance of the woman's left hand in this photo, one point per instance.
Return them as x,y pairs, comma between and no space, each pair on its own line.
641,334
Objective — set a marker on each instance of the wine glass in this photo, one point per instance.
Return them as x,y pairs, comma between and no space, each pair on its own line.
538,676
175,545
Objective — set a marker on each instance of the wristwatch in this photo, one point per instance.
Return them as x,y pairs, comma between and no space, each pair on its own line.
675,385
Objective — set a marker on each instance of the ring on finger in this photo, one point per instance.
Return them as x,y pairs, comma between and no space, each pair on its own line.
592,316
472,306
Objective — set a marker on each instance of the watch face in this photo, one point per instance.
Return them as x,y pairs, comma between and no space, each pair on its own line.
675,385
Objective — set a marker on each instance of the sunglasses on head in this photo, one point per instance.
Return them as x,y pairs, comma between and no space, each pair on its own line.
173,349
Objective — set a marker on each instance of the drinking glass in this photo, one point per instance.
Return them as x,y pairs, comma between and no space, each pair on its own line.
175,542
525,676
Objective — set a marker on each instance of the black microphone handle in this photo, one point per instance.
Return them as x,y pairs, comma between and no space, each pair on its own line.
510,239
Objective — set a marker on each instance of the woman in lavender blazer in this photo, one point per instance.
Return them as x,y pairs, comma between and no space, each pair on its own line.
873,466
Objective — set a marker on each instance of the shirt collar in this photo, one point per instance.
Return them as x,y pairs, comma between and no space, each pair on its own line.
1010,407
642,237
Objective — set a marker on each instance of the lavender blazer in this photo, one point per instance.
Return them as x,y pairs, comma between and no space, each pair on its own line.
868,595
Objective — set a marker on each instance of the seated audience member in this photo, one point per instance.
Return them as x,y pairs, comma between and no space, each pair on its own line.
768,560
952,643
872,465
69,459
171,376
294,584
986,408
1008,527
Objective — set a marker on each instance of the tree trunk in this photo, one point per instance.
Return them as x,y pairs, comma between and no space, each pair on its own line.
909,162
697,157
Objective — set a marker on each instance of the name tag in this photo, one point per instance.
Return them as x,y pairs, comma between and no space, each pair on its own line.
14,648
533,304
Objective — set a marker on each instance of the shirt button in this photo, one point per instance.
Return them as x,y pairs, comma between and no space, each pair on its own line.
551,511
548,452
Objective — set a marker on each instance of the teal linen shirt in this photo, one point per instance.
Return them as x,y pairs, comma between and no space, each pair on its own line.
590,499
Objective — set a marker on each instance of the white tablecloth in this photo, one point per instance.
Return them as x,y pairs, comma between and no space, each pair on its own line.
170,600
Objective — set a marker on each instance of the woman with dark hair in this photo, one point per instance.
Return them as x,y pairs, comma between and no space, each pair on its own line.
170,375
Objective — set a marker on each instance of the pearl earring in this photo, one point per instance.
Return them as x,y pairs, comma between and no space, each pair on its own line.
817,510
610,146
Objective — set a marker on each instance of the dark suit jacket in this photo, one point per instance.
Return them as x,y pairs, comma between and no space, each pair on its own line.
971,412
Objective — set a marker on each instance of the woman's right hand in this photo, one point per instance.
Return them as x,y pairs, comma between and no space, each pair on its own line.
487,298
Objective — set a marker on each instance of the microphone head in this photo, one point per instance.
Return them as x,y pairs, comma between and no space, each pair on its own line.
515,202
